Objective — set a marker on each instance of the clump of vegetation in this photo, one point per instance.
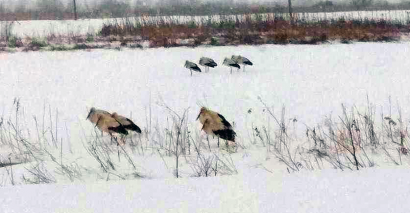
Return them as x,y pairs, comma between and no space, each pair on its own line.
59,48
37,42
253,29
214,41
90,38
135,46
14,42
248,29
192,25
348,142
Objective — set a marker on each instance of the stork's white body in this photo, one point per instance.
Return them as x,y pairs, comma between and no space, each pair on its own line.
231,63
192,66
241,60
207,62
214,123
106,123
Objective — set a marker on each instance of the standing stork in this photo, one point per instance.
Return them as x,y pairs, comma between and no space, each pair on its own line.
231,63
192,66
106,123
207,62
241,60
214,123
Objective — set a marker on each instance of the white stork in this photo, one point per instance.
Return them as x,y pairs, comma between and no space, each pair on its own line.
207,62
214,123
241,60
192,66
231,63
106,123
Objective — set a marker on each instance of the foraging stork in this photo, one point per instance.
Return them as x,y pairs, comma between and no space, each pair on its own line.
106,123
126,122
192,66
241,60
214,123
231,63
207,62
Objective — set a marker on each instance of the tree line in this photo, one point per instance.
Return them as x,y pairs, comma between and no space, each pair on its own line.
56,9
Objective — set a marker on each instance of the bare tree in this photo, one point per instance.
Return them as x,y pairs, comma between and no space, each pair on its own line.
290,11
21,6
2,8
75,10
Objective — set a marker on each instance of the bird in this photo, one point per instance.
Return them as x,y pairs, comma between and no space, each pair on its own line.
241,60
231,63
207,62
214,123
192,66
126,122
106,123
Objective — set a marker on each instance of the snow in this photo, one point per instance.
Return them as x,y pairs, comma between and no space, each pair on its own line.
371,190
310,81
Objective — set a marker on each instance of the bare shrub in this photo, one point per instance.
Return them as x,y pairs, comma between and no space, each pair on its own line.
38,175
101,151
280,142
343,143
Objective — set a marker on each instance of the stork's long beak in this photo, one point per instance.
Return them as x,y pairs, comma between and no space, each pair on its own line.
198,116
88,115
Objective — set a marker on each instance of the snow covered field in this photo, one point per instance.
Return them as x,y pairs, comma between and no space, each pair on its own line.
376,191
41,28
57,89
310,81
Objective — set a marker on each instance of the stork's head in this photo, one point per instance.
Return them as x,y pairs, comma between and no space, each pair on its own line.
226,61
92,110
201,111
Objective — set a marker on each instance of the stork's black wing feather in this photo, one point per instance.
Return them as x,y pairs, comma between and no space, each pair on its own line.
211,64
132,126
224,121
196,68
227,134
119,129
